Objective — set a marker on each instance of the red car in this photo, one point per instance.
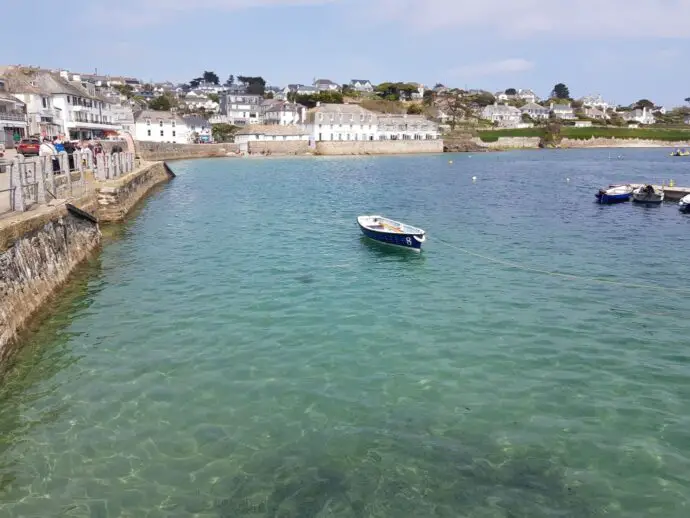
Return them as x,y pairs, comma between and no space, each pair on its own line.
29,147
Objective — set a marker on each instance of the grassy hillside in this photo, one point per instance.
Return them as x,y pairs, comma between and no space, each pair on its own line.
669,134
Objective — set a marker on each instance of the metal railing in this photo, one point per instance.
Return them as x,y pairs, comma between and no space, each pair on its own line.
12,116
26,182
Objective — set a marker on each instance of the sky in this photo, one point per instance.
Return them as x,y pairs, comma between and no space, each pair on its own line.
624,50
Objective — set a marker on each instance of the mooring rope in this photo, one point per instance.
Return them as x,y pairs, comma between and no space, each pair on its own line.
570,276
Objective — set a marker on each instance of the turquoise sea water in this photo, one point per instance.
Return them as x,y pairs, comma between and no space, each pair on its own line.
237,349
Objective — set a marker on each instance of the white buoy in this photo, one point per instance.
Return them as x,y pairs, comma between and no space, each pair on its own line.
474,178
567,180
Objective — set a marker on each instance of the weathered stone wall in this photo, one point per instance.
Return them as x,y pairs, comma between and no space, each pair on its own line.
619,142
117,197
379,147
279,147
38,251
155,151
509,143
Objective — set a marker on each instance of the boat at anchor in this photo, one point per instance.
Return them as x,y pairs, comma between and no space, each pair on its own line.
391,232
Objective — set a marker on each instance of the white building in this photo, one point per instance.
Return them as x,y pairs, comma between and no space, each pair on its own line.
362,85
241,109
502,114
406,127
342,122
594,113
196,100
13,120
284,113
536,111
595,101
260,133
199,128
563,111
641,116
326,85
526,95
160,126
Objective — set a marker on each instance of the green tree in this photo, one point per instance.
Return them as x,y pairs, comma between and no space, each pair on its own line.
230,81
526,118
125,90
194,83
223,132
560,91
428,98
214,97
687,99
395,91
511,91
163,103
255,85
644,103
269,95
415,109
328,97
211,77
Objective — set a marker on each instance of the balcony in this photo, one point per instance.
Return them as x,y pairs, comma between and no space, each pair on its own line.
13,116
50,113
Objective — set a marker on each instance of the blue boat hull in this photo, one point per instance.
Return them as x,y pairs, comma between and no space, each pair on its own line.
403,240
612,198
685,209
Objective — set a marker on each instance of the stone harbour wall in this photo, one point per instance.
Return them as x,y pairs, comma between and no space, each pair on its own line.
509,143
619,142
117,197
279,147
379,147
38,252
155,151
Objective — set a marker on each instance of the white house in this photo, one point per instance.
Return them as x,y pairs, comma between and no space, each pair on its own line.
326,85
362,85
594,113
595,101
196,100
274,132
520,95
13,120
641,116
342,122
502,114
563,111
536,111
199,128
42,117
241,109
284,113
406,127
160,126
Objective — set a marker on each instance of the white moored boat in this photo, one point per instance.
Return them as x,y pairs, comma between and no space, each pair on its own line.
648,194
392,232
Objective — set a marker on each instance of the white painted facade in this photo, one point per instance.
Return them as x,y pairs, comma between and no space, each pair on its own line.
342,122
241,109
502,114
284,114
153,126
81,116
43,117
406,127
535,111
642,116
563,111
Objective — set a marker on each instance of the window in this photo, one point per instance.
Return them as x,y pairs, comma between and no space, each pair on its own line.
320,118
69,99
173,124
174,132
162,132
45,102
161,123
148,133
148,122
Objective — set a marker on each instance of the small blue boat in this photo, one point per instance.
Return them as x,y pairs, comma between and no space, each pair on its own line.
615,194
391,232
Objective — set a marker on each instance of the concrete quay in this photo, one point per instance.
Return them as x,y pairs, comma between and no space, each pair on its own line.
670,193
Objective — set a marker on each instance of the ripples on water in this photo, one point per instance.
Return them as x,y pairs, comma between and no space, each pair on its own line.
239,350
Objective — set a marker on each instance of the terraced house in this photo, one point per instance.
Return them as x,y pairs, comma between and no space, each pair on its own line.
406,127
342,122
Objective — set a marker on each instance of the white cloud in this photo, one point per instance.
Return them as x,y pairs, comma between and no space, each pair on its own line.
577,18
492,68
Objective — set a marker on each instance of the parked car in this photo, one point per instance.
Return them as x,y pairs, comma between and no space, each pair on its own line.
29,147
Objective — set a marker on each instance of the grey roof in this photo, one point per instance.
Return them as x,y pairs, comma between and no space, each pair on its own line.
157,116
283,106
272,129
341,108
195,120
8,97
324,82
533,107
352,81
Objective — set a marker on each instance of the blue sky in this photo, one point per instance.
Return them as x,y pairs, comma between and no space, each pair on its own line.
622,49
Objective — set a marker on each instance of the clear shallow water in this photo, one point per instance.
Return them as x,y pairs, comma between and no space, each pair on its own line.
238,350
